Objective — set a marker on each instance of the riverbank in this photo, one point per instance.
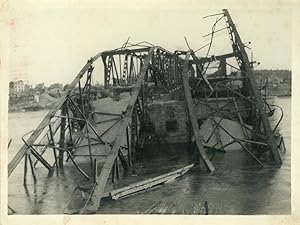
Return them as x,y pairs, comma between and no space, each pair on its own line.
34,107
31,108
44,102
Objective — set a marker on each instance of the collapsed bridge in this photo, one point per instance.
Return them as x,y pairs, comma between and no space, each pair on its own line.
101,140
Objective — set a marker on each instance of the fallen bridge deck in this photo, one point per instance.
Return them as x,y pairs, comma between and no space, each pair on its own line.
94,142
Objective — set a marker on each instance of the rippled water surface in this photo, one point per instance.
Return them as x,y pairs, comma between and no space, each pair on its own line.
238,186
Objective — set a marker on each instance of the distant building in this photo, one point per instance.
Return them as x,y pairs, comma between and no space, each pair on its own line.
277,82
16,87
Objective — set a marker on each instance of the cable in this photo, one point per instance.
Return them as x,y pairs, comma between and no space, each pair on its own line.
124,45
212,35
213,15
187,43
279,121
210,44
202,47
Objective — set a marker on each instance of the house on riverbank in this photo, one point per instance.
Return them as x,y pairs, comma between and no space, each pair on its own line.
275,82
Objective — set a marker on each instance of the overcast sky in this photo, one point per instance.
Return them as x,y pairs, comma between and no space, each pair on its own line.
51,45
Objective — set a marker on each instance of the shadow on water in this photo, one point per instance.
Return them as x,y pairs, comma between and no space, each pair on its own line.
237,187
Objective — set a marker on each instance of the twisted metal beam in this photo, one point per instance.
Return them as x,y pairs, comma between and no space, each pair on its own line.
101,180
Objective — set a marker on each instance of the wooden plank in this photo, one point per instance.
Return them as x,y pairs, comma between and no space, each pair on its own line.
106,169
192,114
140,186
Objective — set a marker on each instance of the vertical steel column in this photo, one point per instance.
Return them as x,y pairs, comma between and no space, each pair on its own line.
69,126
133,135
117,168
53,144
32,168
89,144
106,78
81,98
116,71
128,147
62,135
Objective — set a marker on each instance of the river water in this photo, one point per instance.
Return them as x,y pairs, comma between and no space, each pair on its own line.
238,187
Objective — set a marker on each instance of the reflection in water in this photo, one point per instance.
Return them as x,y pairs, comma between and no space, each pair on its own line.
239,185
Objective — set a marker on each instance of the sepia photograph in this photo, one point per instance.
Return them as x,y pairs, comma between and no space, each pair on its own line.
149,111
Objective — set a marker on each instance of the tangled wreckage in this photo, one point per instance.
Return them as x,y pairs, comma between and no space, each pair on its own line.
151,97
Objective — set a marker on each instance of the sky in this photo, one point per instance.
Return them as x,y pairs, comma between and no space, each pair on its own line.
52,44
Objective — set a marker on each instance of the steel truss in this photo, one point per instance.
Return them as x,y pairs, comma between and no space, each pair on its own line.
139,70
